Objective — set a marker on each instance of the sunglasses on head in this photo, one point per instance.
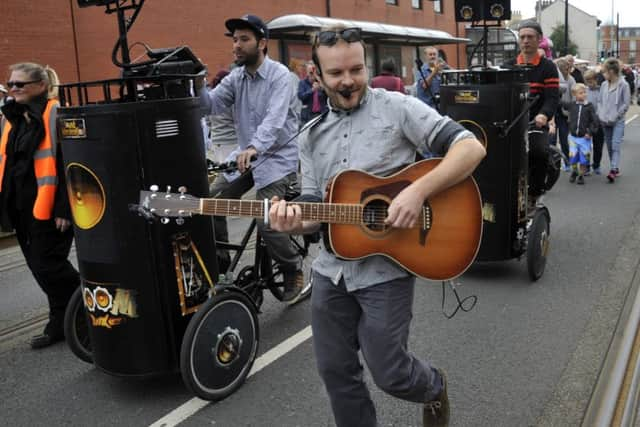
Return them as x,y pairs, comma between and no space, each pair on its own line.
20,85
329,38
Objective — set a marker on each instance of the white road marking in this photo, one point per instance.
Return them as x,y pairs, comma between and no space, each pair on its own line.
635,116
196,404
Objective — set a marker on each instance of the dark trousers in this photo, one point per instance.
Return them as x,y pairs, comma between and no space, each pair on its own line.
562,129
538,158
46,251
376,321
598,143
278,244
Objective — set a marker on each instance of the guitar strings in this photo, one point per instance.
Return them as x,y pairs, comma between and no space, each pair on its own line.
354,213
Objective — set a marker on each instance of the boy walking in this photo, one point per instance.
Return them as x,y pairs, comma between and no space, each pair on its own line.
597,139
583,124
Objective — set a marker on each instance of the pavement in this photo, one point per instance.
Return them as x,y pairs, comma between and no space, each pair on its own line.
575,387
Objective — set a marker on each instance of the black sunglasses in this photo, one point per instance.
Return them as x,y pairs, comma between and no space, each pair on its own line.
20,85
329,38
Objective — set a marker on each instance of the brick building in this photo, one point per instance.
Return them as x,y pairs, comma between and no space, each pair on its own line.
628,39
77,42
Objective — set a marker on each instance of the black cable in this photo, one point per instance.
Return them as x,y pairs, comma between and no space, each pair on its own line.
460,302
128,25
475,49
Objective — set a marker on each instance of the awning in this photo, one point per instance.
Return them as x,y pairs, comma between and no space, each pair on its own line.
301,27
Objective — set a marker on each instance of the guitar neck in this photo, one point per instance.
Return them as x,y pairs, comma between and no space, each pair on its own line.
332,213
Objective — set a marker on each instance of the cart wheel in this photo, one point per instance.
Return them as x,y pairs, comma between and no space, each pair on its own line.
76,328
538,245
219,346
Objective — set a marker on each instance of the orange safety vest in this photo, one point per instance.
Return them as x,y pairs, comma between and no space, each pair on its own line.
44,164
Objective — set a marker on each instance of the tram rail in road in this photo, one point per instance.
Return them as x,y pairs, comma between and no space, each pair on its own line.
22,327
11,258
614,399
16,260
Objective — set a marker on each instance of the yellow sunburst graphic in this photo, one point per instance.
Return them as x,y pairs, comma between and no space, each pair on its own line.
86,196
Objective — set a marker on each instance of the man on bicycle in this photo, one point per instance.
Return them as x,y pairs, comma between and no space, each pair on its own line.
263,99
543,84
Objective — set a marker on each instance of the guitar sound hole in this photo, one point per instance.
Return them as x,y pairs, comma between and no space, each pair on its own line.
373,215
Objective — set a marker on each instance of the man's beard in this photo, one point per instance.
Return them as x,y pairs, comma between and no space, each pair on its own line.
348,94
250,59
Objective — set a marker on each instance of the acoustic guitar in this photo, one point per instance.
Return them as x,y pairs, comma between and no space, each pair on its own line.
441,246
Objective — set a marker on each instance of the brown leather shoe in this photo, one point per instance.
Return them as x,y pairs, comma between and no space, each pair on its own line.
293,285
436,412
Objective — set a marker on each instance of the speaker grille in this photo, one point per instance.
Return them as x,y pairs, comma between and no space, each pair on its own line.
167,128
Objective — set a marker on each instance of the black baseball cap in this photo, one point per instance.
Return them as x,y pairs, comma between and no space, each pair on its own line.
530,24
251,22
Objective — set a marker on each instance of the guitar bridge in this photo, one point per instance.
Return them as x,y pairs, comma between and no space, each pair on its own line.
426,218
426,223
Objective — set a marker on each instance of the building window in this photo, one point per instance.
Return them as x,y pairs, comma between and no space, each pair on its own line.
394,2
416,4
437,6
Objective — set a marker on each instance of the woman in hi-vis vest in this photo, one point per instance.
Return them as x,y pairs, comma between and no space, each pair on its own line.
33,197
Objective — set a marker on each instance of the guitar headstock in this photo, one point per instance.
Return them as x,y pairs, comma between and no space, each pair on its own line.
169,205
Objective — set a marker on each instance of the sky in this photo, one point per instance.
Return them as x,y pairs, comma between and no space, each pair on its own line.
628,10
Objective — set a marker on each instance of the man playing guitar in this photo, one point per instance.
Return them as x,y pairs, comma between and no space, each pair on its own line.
365,304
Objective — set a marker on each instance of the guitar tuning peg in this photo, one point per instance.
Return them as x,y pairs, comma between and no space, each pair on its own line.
182,189
168,189
154,188
180,221
164,220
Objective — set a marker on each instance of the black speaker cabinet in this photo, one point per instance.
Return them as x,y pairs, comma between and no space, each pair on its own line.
482,10
131,269
486,103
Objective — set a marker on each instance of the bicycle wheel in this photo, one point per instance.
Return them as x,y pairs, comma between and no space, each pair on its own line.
308,251
76,328
246,280
219,346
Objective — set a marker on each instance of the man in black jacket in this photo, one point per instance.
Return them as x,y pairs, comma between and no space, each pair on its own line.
544,87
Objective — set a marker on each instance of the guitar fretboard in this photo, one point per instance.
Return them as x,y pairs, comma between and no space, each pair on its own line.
319,212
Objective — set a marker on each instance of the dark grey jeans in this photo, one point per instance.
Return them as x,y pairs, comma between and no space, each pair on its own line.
376,321
278,244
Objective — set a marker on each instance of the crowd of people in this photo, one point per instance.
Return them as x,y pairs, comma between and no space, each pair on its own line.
591,115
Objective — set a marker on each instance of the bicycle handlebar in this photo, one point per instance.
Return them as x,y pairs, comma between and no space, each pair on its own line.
231,166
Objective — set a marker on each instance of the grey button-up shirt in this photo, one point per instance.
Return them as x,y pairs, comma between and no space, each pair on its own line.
381,136
264,109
